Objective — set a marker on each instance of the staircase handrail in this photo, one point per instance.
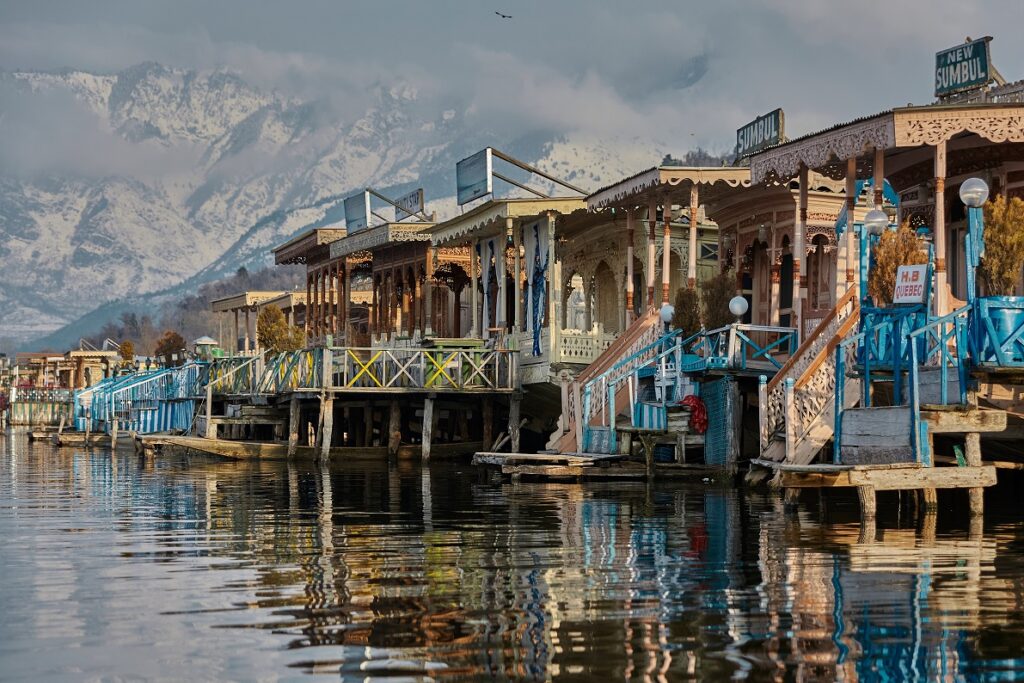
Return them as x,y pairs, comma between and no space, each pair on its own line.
804,368
850,297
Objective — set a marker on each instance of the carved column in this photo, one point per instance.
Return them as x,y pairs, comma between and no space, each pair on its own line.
666,256
517,243
851,204
691,265
879,176
939,227
500,316
800,256
306,319
474,297
630,307
652,214
428,291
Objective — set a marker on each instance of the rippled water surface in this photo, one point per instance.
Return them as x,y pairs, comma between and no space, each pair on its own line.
120,567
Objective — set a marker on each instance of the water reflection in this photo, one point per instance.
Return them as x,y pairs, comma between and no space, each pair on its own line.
194,568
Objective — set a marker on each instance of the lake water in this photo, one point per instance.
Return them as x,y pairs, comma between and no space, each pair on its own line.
119,567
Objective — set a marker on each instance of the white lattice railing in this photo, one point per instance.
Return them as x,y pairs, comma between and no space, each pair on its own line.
582,347
805,385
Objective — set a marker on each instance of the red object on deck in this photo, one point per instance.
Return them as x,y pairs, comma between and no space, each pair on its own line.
698,414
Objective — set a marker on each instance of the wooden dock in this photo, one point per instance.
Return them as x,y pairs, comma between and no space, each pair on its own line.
587,466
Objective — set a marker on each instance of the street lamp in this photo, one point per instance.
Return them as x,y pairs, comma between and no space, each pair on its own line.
667,312
738,307
874,224
974,193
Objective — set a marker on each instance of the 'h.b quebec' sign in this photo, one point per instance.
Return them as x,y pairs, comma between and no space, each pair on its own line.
762,132
963,67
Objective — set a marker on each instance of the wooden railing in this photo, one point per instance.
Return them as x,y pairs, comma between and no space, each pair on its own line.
367,369
801,391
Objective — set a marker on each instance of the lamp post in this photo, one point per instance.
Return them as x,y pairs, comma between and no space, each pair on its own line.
974,194
875,223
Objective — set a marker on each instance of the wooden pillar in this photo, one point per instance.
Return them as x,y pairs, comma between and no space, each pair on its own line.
327,429
517,273
652,214
293,425
428,292
630,301
939,228
800,256
394,428
929,500
474,297
374,320
309,302
666,254
691,265
866,494
513,421
972,453
487,419
555,289
851,203
429,426
314,326
500,312
879,170
346,306
368,424
247,341
234,343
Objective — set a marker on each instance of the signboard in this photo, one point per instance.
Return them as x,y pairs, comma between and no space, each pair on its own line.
762,132
910,284
963,67
409,204
357,212
473,176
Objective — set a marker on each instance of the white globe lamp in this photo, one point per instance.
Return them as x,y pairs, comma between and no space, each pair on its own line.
875,222
974,192
738,306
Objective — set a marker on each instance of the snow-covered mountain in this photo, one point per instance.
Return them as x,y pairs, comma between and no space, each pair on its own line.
126,184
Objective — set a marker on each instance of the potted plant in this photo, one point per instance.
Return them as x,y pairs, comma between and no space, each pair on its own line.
1000,313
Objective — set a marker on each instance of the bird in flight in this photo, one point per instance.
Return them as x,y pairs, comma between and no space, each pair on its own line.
503,16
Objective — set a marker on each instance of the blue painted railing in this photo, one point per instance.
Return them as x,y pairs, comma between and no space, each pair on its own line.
891,344
740,346
604,386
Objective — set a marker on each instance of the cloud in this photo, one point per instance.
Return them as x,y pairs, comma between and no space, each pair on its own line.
47,131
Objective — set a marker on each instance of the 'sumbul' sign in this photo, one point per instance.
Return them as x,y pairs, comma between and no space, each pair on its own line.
762,132
963,67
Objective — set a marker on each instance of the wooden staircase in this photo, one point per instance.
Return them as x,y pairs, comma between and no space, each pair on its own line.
569,436
797,407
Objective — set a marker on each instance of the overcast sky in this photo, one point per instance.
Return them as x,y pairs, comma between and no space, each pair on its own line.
688,73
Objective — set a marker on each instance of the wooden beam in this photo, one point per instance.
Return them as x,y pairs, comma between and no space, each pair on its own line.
429,424
925,477
963,421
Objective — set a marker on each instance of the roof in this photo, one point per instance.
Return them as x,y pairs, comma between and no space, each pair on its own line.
636,189
489,217
379,236
911,126
205,341
300,248
242,300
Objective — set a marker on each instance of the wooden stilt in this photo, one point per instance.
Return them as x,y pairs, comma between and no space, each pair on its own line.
211,430
327,429
791,498
513,421
319,435
487,430
929,500
463,425
429,424
394,429
866,494
972,453
113,434
368,425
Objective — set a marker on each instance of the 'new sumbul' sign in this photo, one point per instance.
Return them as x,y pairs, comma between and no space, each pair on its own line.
963,67
762,132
